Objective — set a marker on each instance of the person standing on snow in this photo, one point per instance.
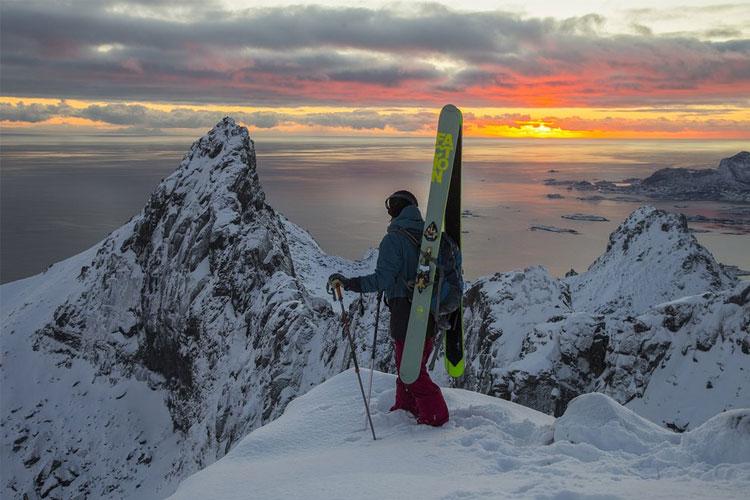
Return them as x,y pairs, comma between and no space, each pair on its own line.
396,267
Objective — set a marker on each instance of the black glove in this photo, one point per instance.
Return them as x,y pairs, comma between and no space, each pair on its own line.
349,284
354,285
332,279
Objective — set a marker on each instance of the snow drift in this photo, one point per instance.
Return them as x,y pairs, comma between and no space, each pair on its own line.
490,449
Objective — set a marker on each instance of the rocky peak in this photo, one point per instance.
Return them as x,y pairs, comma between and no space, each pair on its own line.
650,258
213,192
192,306
206,239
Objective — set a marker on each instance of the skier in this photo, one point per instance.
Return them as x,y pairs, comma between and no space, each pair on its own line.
396,267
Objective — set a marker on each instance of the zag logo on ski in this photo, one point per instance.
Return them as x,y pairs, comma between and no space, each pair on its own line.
445,187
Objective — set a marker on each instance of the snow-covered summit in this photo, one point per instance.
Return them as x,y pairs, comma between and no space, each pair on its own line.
213,198
490,448
655,322
148,356
651,258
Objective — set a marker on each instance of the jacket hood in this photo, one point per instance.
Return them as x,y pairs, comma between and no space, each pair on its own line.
409,218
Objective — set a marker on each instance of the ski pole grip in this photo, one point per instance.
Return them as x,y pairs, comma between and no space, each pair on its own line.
337,286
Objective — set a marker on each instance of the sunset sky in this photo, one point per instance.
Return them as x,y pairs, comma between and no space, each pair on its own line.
586,69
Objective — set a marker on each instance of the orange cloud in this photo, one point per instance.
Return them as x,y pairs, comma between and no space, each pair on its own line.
723,122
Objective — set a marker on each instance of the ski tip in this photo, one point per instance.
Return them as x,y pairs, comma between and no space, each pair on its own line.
451,108
456,370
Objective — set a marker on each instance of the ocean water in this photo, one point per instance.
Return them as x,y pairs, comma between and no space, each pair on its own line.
59,197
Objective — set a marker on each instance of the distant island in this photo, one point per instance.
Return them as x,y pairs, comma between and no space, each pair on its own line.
729,182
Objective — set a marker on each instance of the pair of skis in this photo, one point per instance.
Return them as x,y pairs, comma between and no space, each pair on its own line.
443,215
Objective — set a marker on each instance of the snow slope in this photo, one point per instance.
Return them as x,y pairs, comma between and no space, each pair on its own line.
491,448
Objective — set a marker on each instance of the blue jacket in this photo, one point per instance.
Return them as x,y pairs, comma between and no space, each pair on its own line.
397,257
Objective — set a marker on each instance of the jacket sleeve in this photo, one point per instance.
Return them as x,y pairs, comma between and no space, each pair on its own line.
387,269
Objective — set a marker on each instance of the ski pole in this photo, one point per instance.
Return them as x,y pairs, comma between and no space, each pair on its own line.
346,360
374,343
340,297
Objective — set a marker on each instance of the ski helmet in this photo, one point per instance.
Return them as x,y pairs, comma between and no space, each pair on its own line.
398,200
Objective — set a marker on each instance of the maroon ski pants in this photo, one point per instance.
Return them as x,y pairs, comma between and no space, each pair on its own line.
422,397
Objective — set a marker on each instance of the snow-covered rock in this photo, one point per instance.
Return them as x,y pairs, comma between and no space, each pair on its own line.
651,258
500,315
683,361
320,448
624,328
150,355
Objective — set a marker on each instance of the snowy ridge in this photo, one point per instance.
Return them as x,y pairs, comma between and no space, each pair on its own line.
627,327
490,449
314,266
651,258
146,358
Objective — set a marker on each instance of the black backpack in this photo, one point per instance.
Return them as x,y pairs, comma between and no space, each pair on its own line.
449,282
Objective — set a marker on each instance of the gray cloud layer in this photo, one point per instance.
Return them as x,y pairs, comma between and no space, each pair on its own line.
137,118
193,51
136,115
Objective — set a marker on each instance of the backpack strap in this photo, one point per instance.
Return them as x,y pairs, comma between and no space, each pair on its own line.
408,235
413,239
418,243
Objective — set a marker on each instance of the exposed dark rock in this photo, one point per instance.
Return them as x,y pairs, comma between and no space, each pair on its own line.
729,182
